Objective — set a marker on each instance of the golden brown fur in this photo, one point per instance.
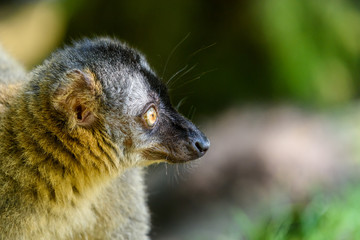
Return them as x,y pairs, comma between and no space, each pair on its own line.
73,140
45,194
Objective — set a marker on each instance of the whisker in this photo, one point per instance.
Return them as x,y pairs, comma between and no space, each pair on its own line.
183,74
180,103
177,174
174,75
192,112
199,50
196,78
171,53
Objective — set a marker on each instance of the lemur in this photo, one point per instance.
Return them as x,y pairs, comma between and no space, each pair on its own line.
75,134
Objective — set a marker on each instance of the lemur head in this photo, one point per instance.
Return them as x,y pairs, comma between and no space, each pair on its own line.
104,84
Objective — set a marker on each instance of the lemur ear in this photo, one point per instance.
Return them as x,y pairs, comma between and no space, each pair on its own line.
78,97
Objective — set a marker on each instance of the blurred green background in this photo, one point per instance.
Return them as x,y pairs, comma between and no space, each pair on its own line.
219,55
275,50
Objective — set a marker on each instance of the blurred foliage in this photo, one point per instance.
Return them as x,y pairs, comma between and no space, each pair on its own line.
326,216
274,50
314,49
220,53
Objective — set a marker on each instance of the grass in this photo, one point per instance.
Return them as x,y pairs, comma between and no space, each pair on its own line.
325,217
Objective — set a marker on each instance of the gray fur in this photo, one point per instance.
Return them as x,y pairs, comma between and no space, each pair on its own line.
74,141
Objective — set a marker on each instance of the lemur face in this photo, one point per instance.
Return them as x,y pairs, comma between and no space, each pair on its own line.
140,118
134,107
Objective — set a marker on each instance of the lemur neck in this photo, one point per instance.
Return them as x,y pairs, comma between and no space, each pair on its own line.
60,165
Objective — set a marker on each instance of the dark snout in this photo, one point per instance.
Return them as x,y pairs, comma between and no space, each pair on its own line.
178,140
200,143
191,143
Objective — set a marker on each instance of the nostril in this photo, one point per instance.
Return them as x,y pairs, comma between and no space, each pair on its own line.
197,144
202,146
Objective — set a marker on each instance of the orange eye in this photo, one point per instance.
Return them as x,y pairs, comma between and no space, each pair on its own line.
150,117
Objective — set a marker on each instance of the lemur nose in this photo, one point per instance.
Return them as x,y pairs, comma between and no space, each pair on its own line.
202,145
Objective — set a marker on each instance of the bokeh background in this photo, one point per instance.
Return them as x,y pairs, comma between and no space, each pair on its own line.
275,84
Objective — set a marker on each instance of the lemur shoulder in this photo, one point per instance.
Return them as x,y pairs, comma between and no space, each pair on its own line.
75,133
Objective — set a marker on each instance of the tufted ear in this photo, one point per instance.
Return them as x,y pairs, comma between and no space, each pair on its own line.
78,97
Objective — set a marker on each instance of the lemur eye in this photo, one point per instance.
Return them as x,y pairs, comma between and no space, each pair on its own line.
150,117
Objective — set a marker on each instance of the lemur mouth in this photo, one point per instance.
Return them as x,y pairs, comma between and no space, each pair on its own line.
181,153
196,148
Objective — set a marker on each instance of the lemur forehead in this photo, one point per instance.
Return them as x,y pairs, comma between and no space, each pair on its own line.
144,64
114,63
137,94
